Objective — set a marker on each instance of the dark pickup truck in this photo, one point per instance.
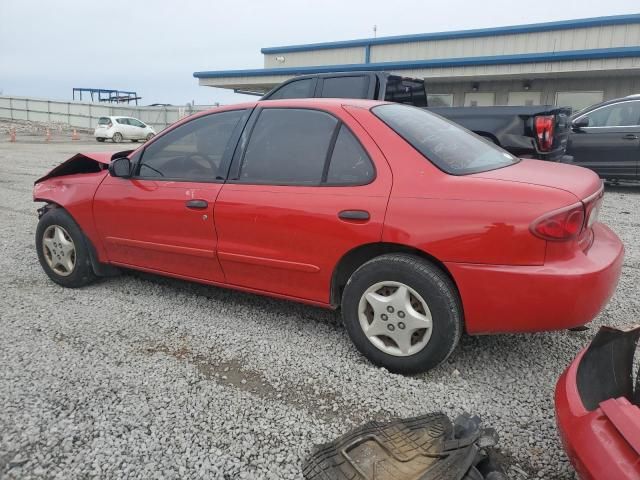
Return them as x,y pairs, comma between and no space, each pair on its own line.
525,131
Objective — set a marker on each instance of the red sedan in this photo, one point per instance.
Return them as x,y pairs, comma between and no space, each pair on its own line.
416,228
596,408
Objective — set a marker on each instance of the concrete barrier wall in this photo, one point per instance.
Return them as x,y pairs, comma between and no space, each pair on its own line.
85,115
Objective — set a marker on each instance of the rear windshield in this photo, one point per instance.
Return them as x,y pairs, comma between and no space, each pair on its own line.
447,145
104,121
410,91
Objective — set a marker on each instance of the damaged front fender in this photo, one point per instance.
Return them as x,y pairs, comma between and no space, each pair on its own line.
84,163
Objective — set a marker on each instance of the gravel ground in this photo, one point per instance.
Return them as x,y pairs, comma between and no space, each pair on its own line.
144,377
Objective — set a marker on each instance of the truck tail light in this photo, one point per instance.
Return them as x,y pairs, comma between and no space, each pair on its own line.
544,131
559,225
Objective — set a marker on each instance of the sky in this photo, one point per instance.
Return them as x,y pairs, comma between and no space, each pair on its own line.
153,47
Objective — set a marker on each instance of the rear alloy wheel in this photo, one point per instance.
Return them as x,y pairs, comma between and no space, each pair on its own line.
150,136
402,313
117,137
62,250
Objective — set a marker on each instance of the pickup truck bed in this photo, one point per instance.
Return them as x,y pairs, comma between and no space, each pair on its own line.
526,131
513,128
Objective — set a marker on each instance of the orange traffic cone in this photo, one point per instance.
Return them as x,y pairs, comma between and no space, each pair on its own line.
74,135
12,135
48,138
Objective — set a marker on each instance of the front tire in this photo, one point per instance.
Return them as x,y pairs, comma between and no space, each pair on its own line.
402,313
117,137
100,139
62,250
149,137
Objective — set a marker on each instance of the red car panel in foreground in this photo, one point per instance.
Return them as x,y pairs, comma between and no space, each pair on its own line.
596,408
416,228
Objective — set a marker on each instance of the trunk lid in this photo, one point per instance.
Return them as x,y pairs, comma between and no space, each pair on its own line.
578,181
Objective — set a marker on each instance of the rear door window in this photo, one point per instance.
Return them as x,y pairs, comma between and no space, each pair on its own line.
288,146
448,146
406,90
345,87
350,164
296,89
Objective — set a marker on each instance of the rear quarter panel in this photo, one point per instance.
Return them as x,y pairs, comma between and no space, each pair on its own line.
460,218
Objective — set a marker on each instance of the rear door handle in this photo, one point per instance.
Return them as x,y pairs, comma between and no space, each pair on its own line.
360,215
630,136
197,204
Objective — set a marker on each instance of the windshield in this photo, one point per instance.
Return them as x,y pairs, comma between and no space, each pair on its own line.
447,145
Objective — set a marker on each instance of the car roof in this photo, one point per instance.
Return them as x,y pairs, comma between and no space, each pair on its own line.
299,102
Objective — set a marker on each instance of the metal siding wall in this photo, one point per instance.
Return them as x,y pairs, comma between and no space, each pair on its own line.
317,57
613,87
563,40
531,70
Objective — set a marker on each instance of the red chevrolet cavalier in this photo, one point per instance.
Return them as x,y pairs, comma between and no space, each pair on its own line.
416,228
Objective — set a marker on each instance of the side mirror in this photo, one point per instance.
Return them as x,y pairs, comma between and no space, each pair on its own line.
120,167
580,123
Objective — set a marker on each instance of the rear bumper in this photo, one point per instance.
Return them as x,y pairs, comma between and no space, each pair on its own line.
103,133
553,296
601,442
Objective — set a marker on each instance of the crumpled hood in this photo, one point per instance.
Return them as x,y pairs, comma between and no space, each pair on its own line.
84,163
579,181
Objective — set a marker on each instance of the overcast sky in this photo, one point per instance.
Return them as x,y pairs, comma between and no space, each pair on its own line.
153,47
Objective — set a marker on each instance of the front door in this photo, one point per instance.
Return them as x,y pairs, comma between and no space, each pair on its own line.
161,219
307,187
610,144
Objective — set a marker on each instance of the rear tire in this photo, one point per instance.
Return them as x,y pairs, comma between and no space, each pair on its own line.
100,139
117,137
402,313
62,250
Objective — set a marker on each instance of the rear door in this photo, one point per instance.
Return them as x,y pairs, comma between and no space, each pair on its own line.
306,187
610,144
161,219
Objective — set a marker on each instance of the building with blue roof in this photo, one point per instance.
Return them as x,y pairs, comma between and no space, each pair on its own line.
570,63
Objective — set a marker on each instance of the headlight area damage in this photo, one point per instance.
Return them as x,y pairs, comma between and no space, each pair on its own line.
597,408
84,163
428,447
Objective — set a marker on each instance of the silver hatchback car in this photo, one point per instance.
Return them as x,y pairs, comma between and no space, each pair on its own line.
122,128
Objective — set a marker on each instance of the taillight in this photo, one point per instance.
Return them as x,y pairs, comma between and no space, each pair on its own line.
109,125
558,225
592,207
544,131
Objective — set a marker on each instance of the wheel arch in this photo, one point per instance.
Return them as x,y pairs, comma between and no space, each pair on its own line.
100,269
358,256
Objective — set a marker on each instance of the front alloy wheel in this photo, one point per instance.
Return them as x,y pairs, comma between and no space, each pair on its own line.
59,250
63,249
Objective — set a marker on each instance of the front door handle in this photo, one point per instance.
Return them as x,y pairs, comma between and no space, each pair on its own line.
197,204
360,215
630,136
